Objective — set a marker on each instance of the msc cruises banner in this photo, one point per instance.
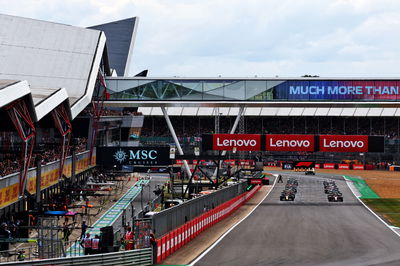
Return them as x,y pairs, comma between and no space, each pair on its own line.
132,156
281,142
337,90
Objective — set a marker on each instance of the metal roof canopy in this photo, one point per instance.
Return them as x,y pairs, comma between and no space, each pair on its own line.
121,35
11,90
51,55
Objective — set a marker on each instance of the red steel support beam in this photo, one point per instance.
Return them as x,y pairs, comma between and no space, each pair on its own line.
19,115
64,126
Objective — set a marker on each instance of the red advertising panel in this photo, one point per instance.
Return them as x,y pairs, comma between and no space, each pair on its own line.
241,142
256,181
344,166
329,166
290,142
358,167
343,143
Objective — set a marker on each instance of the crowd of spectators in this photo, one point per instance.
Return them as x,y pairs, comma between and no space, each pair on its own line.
8,164
110,112
155,126
49,151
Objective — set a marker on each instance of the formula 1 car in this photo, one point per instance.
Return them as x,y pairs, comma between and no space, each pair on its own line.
291,188
292,181
309,172
287,195
335,197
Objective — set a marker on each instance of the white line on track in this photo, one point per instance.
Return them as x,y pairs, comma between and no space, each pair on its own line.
377,216
233,227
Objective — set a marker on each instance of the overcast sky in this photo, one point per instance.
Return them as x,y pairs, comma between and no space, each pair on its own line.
209,38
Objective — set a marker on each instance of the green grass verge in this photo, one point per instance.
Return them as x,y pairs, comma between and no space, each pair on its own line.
389,209
363,188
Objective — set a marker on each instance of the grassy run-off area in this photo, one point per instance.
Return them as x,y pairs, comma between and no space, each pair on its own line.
389,209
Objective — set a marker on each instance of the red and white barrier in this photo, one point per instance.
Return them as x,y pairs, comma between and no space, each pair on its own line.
177,238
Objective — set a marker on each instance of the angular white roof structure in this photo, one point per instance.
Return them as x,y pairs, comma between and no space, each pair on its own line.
121,37
58,61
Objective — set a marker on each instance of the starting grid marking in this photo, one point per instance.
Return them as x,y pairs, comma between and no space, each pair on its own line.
109,217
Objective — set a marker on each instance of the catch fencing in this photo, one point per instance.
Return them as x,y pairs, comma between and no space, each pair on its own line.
176,216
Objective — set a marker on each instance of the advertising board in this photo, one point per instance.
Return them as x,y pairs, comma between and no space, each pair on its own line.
344,166
241,142
304,143
343,143
304,164
133,156
256,181
329,166
287,165
290,142
358,167
342,90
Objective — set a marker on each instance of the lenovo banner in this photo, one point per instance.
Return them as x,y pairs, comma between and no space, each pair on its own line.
343,143
304,143
329,166
290,142
239,142
358,167
132,156
344,166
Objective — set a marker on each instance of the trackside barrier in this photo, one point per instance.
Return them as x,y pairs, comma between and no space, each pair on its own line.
177,238
132,257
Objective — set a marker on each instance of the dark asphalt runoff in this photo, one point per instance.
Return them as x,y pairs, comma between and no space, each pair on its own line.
308,231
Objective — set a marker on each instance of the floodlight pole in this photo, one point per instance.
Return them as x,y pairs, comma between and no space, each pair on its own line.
178,146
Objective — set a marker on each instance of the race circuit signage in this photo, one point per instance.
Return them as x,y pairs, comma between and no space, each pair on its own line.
304,143
132,156
290,142
239,142
337,90
333,143
351,143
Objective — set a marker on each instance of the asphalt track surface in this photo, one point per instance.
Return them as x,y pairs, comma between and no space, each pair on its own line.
308,231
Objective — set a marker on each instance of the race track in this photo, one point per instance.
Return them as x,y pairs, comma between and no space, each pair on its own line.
308,231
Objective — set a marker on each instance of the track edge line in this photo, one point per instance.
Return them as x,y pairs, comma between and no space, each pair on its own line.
230,229
368,208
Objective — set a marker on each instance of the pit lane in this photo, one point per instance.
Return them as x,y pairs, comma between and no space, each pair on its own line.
308,231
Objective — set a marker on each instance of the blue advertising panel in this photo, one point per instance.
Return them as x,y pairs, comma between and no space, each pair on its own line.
344,90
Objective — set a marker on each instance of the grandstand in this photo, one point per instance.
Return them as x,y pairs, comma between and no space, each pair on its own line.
357,106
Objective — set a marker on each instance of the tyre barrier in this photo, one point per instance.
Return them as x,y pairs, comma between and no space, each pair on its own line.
177,238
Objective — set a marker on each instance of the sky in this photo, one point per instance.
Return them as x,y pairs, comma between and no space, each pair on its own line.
246,38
